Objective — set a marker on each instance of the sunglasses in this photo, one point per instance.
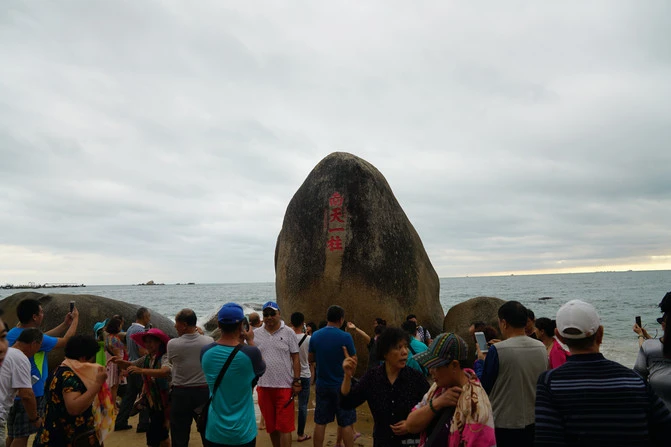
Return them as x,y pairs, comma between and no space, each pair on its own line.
269,313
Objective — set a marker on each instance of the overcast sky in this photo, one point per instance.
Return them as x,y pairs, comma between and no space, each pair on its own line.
164,139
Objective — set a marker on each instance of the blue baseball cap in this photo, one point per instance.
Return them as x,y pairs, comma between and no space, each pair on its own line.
230,313
271,305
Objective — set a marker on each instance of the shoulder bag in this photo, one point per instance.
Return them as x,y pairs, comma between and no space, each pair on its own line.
201,421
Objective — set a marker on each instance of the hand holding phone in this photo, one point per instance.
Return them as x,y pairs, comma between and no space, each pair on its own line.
482,342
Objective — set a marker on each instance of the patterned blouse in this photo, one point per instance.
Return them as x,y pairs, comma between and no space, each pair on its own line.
113,343
60,426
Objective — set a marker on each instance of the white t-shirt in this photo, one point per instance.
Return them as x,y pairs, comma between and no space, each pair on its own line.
303,352
14,374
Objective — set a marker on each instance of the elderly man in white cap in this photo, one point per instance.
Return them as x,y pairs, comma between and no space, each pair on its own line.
591,401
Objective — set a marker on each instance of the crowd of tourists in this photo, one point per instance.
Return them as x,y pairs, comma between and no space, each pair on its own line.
534,381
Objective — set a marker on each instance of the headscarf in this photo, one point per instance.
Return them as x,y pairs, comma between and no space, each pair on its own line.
472,424
473,421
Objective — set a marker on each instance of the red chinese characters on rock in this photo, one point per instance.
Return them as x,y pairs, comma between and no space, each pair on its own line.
337,215
335,200
334,243
336,222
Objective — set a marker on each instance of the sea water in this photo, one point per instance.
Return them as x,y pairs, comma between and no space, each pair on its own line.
618,297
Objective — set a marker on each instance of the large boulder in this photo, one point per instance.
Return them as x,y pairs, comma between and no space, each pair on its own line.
345,240
460,317
92,308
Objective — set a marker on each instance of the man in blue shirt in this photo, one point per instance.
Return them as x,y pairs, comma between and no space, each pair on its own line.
31,315
231,419
326,348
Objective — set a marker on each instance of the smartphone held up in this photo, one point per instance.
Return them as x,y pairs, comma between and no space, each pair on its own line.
482,342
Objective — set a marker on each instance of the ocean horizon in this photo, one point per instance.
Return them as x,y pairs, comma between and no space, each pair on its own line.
618,296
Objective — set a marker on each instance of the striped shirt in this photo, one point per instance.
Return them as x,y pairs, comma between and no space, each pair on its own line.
591,401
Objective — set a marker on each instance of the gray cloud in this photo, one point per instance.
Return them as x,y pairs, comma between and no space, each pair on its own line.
164,139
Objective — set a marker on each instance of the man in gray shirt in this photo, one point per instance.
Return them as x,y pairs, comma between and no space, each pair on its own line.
509,376
134,386
189,387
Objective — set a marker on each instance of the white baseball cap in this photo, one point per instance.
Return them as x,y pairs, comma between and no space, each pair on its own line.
579,318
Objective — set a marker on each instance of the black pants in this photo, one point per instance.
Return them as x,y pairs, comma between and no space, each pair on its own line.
515,437
133,388
183,402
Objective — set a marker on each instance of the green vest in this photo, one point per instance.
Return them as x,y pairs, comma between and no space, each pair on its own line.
101,358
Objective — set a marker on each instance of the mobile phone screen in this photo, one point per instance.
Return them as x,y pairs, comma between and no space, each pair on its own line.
638,321
482,341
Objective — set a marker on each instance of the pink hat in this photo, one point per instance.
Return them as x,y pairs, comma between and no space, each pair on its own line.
154,332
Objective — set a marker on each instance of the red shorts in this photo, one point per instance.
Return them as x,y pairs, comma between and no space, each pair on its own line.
273,404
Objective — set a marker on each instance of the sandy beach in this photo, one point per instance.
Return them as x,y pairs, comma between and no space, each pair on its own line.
364,425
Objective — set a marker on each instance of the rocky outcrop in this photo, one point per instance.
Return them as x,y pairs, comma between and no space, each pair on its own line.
460,317
345,240
92,308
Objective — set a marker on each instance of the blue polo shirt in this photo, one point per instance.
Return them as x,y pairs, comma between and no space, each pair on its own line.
41,371
231,419
326,345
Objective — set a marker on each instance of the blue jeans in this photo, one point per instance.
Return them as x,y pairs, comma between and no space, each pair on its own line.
303,399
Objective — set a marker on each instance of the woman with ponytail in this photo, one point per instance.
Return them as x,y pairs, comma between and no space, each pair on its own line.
545,332
654,357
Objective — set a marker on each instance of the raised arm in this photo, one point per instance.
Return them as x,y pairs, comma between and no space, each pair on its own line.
420,418
365,336
71,320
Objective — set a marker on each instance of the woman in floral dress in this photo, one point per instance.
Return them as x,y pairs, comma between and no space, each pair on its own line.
71,392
